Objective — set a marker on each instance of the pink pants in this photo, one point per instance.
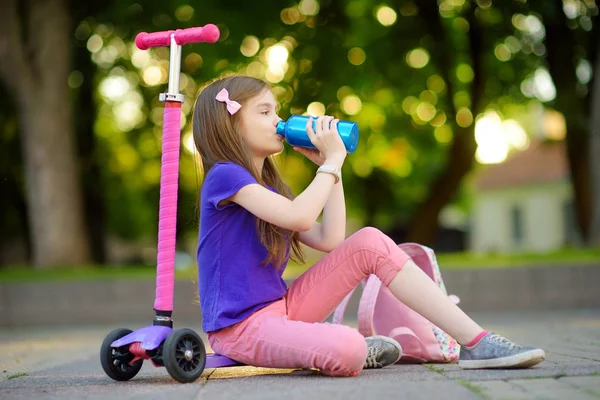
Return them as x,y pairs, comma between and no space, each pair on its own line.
290,332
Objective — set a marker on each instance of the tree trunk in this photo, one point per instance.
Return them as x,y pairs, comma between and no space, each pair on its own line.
578,154
13,206
425,222
35,62
561,58
594,153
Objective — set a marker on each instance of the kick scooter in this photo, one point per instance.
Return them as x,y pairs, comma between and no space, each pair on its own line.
180,351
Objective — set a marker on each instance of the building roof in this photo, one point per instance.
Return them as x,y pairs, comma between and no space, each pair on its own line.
540,163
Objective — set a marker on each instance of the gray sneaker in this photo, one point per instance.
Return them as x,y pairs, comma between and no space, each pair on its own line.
383,351
495,351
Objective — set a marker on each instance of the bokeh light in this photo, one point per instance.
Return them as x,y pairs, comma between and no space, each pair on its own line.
385,15
443,134
356,56
114,87
309,7
188,142
316,109
343,92
256,69
439,120
409,105
275,73
554,125
502,52
351,104
184,13
436,84
250,46
75,79
140,58
417,58
495,138
291,16
464,117
192,62
154,75
539,85
128,114
94,43
277,56
464,73
426,111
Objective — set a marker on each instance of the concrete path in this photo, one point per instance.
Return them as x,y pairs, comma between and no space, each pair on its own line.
63,363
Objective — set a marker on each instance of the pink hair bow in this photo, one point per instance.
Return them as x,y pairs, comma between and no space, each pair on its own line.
232,106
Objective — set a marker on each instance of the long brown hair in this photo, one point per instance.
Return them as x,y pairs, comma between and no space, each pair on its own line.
218,139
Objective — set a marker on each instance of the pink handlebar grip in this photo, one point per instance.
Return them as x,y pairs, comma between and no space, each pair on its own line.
208,33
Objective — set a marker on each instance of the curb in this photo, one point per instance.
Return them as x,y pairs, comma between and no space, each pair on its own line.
130,301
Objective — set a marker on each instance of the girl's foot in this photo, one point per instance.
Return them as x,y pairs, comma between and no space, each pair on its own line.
383,351
495,351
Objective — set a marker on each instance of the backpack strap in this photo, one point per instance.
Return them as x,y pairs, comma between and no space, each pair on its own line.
366,307
338,315
368,298
403,334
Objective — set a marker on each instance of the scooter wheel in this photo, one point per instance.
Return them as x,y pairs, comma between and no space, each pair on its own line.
115,361
184,355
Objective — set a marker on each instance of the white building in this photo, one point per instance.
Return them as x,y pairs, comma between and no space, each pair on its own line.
525,203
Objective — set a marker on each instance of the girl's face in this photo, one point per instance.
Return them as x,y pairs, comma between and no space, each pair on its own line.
258,125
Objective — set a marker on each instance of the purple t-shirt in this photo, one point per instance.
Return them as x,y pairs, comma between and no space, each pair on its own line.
232,282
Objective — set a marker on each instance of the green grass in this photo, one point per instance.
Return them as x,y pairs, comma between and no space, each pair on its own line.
476,389
559,257
435,368
471,260
17,375
86,273
564,257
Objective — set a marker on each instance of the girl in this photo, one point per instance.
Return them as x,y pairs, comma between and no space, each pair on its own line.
250,225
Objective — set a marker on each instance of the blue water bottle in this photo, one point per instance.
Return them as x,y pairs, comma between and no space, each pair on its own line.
294,132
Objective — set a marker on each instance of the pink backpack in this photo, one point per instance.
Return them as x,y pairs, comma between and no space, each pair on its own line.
380,313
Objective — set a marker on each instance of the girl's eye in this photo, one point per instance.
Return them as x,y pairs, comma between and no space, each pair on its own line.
265,112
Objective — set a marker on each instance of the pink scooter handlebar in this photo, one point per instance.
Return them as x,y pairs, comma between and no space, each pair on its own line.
208,33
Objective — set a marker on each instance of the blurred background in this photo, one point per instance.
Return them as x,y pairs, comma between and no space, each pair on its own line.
479,121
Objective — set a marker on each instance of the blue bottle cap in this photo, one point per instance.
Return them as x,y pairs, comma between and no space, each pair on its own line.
281,128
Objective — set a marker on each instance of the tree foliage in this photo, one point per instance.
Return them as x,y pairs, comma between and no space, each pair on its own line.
416,76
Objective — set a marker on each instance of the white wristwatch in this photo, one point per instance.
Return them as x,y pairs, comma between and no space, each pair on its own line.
331,170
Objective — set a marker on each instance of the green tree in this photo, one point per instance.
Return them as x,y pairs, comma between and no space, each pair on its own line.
34,66
571,55
414,75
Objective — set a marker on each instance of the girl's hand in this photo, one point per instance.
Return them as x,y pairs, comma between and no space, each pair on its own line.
313,155
327,139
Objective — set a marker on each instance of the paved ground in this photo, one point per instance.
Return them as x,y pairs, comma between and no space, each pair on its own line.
53,363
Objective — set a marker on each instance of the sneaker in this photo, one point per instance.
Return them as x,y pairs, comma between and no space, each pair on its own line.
495,351
383,351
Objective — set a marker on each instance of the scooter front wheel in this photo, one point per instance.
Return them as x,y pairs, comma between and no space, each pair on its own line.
184,355
115,361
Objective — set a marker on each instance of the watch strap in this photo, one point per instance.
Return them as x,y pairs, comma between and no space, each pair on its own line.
331,170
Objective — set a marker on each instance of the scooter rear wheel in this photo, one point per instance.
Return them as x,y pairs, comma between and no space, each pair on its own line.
184,355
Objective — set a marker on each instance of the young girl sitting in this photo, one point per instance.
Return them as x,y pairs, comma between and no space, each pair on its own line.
250,225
